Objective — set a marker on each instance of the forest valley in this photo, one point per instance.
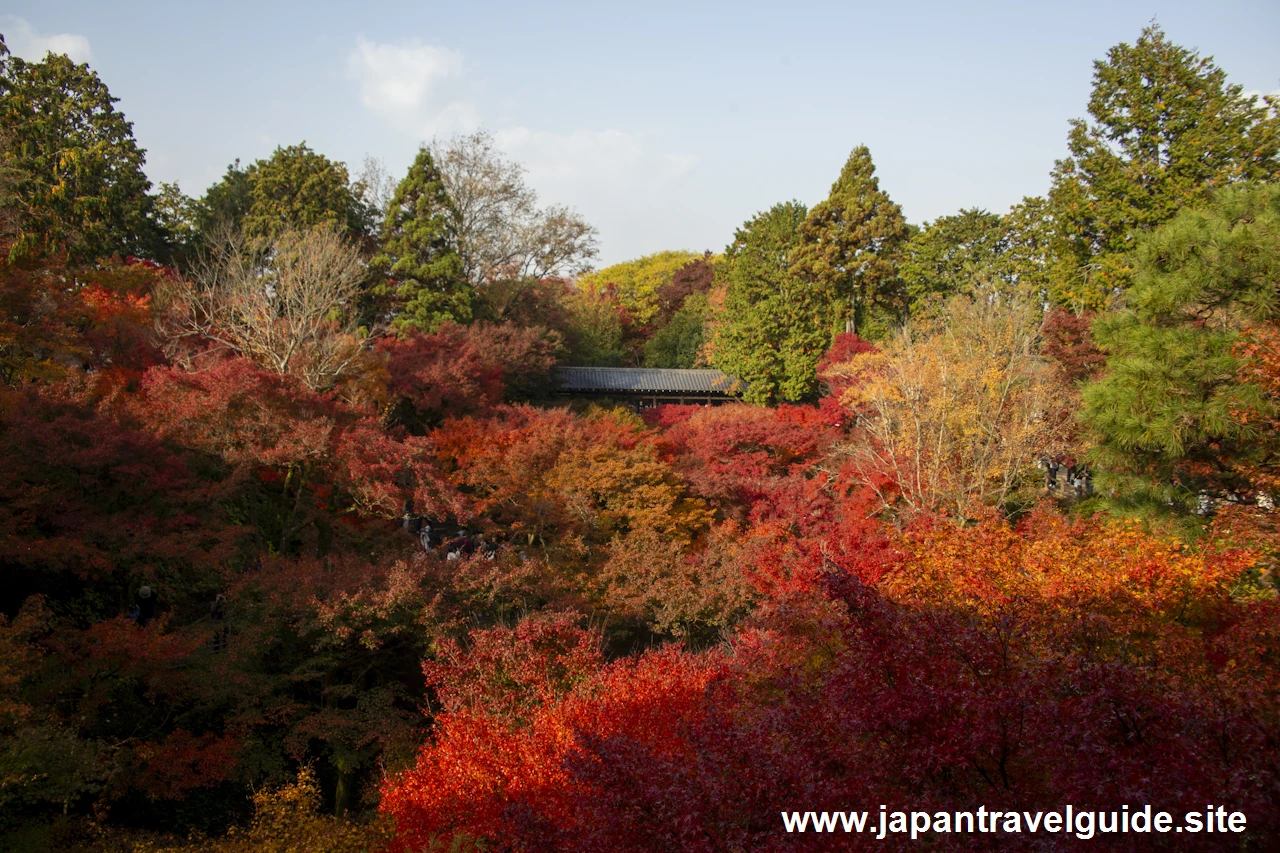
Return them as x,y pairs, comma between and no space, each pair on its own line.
227,423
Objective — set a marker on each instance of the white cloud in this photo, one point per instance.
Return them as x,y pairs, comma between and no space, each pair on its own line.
415,87
593,164
619,181
24,41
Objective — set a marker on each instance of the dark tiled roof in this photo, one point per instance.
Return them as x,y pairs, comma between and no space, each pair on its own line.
645,380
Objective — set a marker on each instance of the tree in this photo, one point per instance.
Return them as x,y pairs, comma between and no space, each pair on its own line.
288,305
75,171
947,256
695,594
1068,343
295,188
419,254
300,189
226,203
637,283
970,665
953,412
1027,255
679,343
596,328
849,244
697,277
774,325
1172,415
177,216
1166,129
501,231
460,370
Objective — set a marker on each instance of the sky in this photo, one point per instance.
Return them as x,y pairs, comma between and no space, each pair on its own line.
665,124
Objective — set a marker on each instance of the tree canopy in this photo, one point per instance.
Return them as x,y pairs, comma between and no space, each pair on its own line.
502,232
304,521
945,257
638,282
298,188
849,244
295,188
75,171
775,324
1166,129
1173,408
419,253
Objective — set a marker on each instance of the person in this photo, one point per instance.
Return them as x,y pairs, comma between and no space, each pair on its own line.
218,615
411,522
1051,474
146,601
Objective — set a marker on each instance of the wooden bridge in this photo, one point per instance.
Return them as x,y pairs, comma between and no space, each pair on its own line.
643,387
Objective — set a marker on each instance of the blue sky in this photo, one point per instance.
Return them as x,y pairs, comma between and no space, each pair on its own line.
665,124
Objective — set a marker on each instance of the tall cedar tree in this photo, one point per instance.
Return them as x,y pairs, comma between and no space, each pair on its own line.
76,171
776,324
849,243
1167,128
419,252
1171,411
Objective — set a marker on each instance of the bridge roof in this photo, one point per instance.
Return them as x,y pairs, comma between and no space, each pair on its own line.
646,380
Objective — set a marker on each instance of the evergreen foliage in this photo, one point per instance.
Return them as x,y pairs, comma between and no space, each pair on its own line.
849,245
943,258
776,324
226,203
679,343
298,188
419,252
1166,130
1171,415
75,179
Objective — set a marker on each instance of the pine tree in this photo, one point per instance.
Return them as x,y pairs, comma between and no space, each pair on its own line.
1166,130
419,252
1173,415
849,244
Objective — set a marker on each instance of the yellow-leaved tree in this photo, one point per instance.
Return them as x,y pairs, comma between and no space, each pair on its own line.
954,411
637,282
288,820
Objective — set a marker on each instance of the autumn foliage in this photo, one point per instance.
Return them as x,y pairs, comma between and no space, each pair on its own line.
1093,664
285,568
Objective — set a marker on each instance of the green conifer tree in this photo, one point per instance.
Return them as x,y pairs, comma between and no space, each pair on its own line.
300,189
1171,416
1166,130
946,256
775,325
419,252
849,245
73,170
